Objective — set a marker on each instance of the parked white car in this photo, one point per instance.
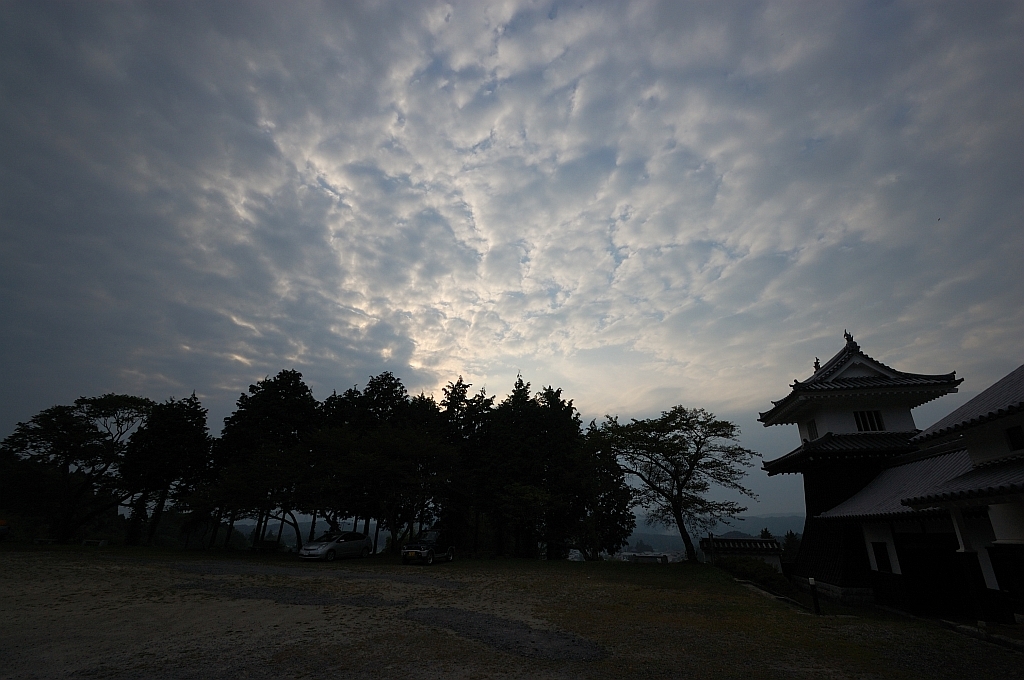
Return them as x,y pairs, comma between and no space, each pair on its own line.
329,547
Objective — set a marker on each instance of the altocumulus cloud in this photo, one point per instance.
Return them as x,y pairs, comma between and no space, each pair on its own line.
643,203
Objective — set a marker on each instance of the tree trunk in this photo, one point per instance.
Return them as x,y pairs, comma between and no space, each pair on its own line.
158,512
312,528
216,528
691,554
298,534
231,529
257,532
133,535
376,535
366,526
476,531
256,529
280,527
499,536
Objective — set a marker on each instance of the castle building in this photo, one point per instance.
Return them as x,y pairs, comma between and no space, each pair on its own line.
930,521
854,417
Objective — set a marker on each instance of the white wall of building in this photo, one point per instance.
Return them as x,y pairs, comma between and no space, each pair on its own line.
1007,522
839,419
881,533
988,441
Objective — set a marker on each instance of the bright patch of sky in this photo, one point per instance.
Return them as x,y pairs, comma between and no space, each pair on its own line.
642,203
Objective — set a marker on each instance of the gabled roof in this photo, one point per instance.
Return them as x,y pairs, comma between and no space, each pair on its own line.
849,446
830,380
988,481
883,495
1006,396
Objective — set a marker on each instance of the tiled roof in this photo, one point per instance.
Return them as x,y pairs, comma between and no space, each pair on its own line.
851,445
867,383
741,546
822,382
998,478
1006,396
882,496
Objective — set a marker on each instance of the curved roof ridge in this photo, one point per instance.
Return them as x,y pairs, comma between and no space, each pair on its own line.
823,379
851,348
837,359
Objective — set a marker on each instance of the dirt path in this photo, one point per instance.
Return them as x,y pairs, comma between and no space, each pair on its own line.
113,615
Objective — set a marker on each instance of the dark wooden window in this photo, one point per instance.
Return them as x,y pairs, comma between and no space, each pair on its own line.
869,421
812,430
882,557
1015,438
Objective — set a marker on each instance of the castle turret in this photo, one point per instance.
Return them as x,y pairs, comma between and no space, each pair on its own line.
853,414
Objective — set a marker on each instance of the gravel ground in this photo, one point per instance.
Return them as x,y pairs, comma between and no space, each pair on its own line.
113,614
514,637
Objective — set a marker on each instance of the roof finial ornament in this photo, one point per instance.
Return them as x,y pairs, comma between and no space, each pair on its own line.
817,365
848,336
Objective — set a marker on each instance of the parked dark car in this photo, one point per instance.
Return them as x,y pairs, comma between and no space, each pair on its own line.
330,546
430,545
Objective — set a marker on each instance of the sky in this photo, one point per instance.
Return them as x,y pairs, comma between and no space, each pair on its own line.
643,203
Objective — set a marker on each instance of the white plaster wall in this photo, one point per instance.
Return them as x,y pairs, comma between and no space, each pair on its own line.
988,442
898,419
840,420
804,436
880,533
1007,522
858,370
975,534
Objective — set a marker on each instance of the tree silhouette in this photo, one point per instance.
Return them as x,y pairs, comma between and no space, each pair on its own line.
264,448
76,453
676,458
169,454
518,477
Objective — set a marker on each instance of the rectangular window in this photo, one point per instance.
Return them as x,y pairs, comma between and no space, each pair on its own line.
881,551
812,430
869,421
1015,438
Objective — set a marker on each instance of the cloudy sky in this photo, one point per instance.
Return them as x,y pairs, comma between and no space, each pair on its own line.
642,203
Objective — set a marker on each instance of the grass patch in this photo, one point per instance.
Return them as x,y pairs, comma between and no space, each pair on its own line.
759,572
388,619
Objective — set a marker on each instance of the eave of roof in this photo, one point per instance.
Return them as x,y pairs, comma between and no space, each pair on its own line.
926,386
1003,398
990,480
882,496
846,446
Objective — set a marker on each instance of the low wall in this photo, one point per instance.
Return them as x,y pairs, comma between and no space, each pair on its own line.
837,593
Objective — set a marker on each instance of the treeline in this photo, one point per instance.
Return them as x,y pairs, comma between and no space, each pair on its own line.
521,477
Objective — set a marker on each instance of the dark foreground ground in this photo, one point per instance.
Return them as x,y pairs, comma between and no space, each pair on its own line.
111,613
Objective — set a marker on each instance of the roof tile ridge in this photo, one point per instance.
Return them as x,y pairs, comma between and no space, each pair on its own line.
832,365
925,454
958,425
1000,461
872,433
